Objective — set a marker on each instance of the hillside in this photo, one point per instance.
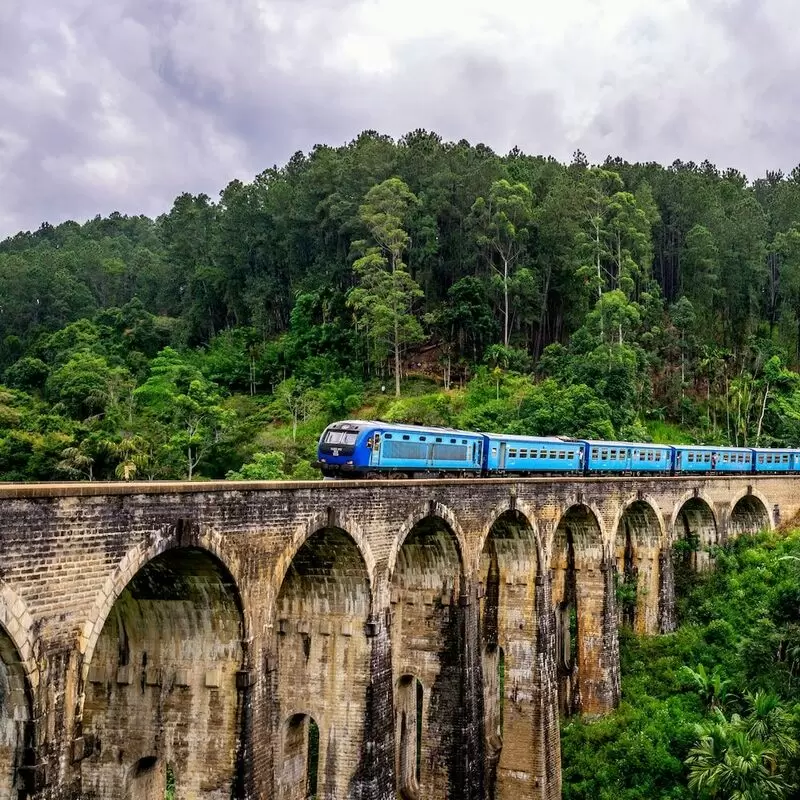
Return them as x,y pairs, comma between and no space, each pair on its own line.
418,280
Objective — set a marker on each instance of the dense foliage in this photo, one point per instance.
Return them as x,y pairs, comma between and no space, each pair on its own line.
511,292
713,710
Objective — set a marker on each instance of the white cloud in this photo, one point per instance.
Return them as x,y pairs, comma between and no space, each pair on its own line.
124,104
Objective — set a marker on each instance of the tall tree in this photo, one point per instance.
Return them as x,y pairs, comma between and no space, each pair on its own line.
384,298
503,220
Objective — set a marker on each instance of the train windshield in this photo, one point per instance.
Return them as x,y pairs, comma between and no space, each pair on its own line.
340,437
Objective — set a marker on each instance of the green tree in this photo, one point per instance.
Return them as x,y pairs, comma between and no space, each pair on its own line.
385,295
263,467
730,764
187,409
502,221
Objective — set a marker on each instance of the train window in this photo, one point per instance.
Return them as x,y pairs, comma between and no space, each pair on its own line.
594,452
571,454
707,457
543,454
438,438
761,459
453,441
387,436
523,453
463,441
422,438
604,455
785,458
562,454
406,437
613,455
552,454
512,453
494,451
690,459
769,458
341,437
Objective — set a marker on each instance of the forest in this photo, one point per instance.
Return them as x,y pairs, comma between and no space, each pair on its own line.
441,283
416,280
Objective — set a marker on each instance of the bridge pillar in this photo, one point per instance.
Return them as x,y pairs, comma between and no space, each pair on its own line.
325,650
520,704
435,639
667,619
586,617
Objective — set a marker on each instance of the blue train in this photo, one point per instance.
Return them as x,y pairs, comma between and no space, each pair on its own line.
360,449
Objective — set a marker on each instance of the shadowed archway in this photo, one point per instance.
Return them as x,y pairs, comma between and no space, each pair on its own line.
519,704
162,683
587,649
749,515
434,638
323,666
15,715
637,550
695,532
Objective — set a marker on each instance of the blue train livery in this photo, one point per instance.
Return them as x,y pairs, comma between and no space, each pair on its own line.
507,454
357,448
369,448
691,458
776,460
628,457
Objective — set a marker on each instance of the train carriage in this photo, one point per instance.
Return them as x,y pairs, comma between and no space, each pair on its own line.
628,457
776,460
699,458
506,453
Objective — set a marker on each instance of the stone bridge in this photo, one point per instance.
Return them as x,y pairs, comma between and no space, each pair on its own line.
353,639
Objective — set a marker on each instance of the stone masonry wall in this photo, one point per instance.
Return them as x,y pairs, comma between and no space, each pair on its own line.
314,602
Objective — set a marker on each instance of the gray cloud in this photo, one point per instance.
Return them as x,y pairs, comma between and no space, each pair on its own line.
123,105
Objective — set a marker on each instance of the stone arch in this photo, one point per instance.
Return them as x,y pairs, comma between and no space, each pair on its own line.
323,657
694,524
512,608
434,510
300,757
333,520
749,514
163,680
429,606
180,535
16,711
409,734
584,602
639,534
17,622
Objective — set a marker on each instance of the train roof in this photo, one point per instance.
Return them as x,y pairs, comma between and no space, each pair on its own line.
374,423
605,443
712,448
775,449
521,437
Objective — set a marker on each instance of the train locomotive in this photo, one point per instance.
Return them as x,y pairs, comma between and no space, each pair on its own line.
368,448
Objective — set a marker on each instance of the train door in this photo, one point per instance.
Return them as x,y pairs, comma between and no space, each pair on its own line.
375,450
501,465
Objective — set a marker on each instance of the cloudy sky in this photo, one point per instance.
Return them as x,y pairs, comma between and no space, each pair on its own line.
122,104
